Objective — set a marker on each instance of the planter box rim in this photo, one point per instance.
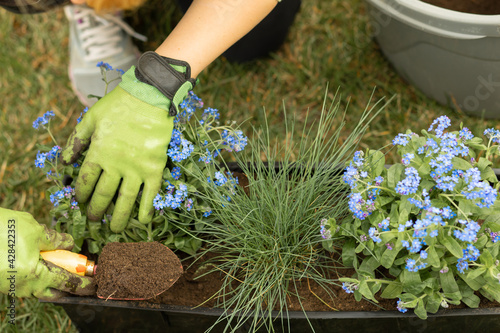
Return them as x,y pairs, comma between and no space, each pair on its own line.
216,312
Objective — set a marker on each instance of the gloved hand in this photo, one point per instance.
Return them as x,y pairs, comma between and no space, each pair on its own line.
23,273
129,131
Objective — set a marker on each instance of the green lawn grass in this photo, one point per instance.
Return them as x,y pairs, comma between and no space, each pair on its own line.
329,49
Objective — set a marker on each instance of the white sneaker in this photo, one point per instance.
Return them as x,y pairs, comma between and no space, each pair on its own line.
94,38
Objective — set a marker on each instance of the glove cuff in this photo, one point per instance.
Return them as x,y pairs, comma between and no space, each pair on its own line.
170,76
159,81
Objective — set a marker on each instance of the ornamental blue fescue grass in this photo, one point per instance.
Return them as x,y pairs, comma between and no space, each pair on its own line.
197,141
424,231
265,239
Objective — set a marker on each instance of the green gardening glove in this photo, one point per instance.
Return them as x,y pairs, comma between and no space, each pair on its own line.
129,131
23,272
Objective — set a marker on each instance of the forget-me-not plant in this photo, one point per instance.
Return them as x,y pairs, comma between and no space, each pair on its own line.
440,209
195,147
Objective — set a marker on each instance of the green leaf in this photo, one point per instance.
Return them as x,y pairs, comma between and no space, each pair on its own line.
192,246
423,168
167,174
403,214
179,242
370,245
393,290
114,238
477,146
93,247
375,287
476,272
464,288
394,212
79,224
78,244
164,229
472,301
449,285
379,250
171,215
199,225
433,303
135,224
383,200
489,175
475,140
348,253
474,284
68,170
346,279
493,248
169,240
493,218
328,245
357,295
420,310
376,159
388,256
410,300
395,271
472,153
365,290
191,188
368,266
432,257
481,242
451,245
427,184
486,258
411,282
407,298
94,228
158,219
493,274
483,163
431,282
394,175
460,164
388,236
361,246
493,290
467,207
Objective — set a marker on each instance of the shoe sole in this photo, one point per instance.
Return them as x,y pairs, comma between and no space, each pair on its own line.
86,102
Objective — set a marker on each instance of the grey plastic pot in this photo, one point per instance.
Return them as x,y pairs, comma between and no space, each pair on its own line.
452,57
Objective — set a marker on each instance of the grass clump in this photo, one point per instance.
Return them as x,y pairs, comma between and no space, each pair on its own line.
268,239
34,316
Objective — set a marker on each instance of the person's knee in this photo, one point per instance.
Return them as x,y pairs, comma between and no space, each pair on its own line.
107,5
31,6
39,6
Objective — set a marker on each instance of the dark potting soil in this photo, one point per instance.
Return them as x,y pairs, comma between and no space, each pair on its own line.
484,7
193,289
136,270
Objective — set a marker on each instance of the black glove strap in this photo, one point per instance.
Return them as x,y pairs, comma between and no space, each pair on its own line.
157,71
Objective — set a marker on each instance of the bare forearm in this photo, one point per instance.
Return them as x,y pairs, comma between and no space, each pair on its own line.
210,27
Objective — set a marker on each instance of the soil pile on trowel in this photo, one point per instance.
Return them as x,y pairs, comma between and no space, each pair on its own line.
136,271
